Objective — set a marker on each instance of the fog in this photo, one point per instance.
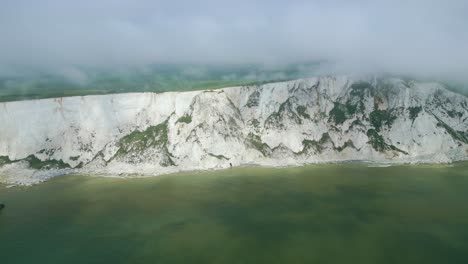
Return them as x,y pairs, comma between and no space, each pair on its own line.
427,37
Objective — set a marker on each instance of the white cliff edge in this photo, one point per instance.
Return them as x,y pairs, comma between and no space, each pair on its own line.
325,119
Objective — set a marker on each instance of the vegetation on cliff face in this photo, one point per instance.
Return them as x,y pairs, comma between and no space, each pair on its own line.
414,112
359,89
74,158
357,123
285,109
342,112
38,164
358,93
338,114
347,144
255,123
35,163
256,142
253,99
185,119
379,118
220,157
378,142
317,146
133,146
302,111
458,135
4,160
48,152
455,114
353,105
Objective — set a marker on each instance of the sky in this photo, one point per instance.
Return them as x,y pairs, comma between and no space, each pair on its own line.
412,36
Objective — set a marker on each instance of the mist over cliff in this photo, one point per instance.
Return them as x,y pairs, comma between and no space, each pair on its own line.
416,37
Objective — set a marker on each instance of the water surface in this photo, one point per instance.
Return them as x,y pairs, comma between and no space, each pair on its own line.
345,213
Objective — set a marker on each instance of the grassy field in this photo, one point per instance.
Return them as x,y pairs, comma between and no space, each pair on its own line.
157,78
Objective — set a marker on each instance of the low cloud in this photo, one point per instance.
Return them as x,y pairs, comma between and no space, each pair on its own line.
416,37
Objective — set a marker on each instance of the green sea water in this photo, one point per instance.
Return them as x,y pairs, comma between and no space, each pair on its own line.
342,213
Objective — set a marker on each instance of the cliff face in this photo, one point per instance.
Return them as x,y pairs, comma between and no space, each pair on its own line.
296,122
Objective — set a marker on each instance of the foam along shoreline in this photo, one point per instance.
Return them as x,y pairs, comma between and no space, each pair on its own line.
27,177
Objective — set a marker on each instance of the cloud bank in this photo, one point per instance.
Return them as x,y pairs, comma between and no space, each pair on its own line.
413,36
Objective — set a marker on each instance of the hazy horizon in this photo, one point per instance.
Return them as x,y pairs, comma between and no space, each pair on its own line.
64,38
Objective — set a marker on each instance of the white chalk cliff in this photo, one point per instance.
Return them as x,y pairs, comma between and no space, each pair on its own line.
312,120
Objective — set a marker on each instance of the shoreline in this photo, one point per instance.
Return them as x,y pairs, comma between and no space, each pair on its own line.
50,174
